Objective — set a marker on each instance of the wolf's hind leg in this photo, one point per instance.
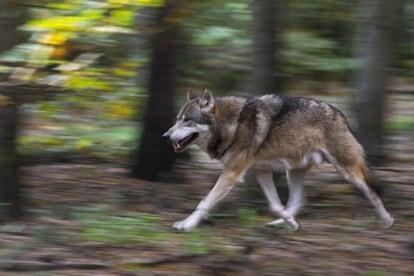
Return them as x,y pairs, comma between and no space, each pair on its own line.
296,194
265,180
357,174
358,181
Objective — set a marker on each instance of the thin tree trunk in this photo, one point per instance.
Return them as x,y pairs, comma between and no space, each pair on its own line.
11,16
373,49
265,29
264,45
10,206
155,155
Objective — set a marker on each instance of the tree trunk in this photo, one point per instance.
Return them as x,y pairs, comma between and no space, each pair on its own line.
264,45
155,155
265,29
10,206
11,16
373,49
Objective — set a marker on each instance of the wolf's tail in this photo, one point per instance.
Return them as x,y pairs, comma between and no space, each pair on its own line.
371,180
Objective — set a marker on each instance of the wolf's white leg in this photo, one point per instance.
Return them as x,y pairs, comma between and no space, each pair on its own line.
353,174
265,180
227,180
387,219
296,195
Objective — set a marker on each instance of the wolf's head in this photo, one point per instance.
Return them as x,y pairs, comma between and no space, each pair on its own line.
194,121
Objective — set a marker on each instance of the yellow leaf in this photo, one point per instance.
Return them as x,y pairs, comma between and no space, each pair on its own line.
124,72
57,38
84,145
122,110
151,3
60,52
119,2
66,23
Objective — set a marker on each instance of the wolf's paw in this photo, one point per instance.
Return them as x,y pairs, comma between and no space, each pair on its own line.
275,223
188,223
387,222
183,226
293,224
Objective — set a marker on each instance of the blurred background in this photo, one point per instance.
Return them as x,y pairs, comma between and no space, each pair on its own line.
88,87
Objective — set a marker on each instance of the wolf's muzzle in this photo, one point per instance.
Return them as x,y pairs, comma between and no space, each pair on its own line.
166,136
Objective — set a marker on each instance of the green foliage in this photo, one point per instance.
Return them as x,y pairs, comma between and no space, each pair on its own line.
246,216
123,230
314,38
93,140
124,18
198,242
99,225
400,123
215,35
89,82
305,52
30,144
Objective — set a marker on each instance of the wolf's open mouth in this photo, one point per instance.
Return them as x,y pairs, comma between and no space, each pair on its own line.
182,144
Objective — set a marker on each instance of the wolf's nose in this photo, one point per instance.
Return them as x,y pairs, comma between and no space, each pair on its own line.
166,136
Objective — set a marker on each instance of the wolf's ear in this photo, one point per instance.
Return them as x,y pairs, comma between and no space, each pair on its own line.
207,99
190,94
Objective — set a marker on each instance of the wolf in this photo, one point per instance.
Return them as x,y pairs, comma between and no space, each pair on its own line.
266,134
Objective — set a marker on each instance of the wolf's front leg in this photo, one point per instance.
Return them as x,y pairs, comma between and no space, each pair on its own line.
265,180
296,194
224,184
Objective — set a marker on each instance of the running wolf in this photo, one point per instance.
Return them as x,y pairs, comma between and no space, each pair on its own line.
270,133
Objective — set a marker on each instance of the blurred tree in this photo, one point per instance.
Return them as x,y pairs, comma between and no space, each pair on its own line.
155,155
86,49
10,203
263,57
11,16
373,49
67,39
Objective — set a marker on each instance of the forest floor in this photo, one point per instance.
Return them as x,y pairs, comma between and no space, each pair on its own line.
92,219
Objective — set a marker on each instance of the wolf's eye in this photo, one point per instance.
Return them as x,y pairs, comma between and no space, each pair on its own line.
185,118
